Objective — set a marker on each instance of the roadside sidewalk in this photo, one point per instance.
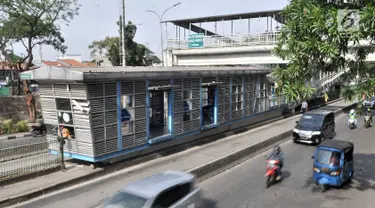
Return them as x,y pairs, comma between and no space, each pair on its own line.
195,160
16,136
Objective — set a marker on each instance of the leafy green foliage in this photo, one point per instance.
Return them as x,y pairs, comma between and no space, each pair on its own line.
136,54
21,126
34,22
8,126
312,42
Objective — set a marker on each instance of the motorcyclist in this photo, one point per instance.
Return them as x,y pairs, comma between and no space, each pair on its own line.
276,154
369,113
353,115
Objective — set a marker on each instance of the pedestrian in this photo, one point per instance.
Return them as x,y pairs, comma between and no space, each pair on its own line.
304,107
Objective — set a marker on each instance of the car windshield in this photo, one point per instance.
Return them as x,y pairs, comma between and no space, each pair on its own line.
311,121
327,157
125,200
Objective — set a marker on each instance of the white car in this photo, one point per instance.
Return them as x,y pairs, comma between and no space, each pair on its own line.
171,189
370,103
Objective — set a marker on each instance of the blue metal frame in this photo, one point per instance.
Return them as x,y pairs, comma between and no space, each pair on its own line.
230,99
119,130
170,108
243,97
200,103
216,104
148,110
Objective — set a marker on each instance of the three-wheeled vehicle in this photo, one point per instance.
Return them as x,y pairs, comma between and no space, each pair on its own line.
333,164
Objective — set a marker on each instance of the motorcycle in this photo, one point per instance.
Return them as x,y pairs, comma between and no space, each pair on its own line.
351,123
367,121
271,173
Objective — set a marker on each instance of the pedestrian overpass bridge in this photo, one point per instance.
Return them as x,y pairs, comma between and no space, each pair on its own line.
237,48
240,49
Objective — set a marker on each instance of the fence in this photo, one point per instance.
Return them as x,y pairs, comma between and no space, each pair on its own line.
217,41
25,159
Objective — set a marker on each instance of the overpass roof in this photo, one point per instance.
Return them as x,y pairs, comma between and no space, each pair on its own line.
92,74
228,17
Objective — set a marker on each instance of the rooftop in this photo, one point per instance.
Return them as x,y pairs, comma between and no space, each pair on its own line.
89,74
151,186
227,17
337,144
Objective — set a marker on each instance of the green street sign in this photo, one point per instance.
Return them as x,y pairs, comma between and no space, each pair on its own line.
25,76
195,40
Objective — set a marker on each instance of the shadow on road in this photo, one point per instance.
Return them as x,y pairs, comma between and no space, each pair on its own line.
208,203
286,174
364,177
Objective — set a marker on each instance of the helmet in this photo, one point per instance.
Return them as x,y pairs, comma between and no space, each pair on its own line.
277,149
352,111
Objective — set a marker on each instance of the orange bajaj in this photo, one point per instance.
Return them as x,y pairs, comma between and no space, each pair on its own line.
271,174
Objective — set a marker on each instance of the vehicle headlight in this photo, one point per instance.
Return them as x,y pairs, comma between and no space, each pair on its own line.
335,173
296,131
316,133
317,170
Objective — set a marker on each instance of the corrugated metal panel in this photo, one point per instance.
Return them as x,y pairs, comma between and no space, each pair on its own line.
81,119
224,99
127,88
140,139
83,135
140,125
61,90
178,129
99,148
98,134
110,89
140,87
95,90
47,104
140,100
86,149
97,105
111,146
45,90
128,141
195,124
78,91
97,119
110,103
110,117
140,114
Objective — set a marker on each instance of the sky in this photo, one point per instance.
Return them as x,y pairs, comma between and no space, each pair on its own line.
97,19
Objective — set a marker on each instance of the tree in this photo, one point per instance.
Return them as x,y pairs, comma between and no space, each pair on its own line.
136,54
312,41
33,23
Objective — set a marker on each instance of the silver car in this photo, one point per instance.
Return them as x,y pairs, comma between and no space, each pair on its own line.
171,189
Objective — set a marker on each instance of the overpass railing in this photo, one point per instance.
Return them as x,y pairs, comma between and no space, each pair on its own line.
220,41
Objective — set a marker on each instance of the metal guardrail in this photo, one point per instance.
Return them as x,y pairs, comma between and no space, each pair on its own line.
218,41
22,160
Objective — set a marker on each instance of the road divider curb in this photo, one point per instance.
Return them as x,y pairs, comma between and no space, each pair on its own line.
202,172
228,161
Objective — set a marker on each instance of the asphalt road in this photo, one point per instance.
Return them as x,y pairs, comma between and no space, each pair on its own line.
244,186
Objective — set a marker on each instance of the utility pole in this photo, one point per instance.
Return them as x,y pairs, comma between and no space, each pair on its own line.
161,28
123,35
120,39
